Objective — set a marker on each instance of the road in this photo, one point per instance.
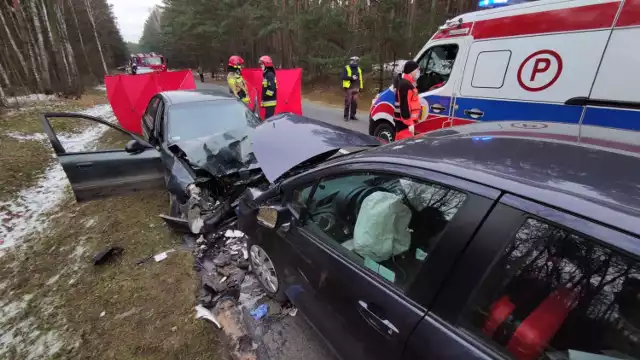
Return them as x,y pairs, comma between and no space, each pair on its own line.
293,337
314,110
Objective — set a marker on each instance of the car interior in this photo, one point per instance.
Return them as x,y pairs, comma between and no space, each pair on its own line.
554,295
390,223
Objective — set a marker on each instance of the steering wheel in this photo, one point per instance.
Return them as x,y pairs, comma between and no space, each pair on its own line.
355,203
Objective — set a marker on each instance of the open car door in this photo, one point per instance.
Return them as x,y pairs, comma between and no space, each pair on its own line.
103,173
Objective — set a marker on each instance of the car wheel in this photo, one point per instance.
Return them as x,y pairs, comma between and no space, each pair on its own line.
385,131
268,272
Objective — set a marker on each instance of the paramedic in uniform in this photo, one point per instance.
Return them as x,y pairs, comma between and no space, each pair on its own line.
269,86
352,84
237,85
408,107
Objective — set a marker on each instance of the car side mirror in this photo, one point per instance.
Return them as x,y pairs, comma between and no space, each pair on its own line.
135,147
274,217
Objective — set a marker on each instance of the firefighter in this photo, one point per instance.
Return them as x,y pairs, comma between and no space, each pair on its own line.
269,86
352,84
237,85
408,107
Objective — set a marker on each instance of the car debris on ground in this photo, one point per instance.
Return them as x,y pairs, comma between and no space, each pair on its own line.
229,293
108,254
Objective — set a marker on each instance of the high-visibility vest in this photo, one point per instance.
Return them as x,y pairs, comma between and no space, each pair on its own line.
237,86
415,107
347,83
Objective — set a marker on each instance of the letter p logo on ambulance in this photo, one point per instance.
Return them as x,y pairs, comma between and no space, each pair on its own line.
539,70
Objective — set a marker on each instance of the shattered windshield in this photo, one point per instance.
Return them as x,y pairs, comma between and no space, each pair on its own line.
195,120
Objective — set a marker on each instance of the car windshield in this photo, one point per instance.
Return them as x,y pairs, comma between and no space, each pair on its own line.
152,61
194,120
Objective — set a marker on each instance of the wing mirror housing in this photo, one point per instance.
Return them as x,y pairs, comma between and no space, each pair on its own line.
273,217
135,147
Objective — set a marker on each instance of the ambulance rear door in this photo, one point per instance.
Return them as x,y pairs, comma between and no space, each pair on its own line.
612,115
441,63
525,63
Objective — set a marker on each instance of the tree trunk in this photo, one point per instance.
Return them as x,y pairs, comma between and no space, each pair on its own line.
95,34
84,51
5,78
12,42
3,98
44,58
63,41
32,49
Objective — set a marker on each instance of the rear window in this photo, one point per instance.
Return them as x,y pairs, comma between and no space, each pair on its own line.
556,294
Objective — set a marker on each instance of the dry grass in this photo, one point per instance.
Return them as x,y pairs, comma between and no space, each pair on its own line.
148,308
53,296
23,161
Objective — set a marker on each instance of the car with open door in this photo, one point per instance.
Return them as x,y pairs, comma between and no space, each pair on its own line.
199,146
480,242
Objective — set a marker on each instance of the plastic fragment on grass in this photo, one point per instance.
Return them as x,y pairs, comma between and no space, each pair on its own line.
204,313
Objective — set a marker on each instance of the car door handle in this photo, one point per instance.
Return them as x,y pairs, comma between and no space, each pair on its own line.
474,113
437,108
383,326
84,164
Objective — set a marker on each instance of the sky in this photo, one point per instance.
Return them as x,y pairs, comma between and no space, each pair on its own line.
131,15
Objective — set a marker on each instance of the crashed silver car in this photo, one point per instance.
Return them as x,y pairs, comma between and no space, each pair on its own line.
199,145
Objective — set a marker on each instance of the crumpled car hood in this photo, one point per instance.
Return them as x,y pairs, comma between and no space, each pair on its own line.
287,140
221,154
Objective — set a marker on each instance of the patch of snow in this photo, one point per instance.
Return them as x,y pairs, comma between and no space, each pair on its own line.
101,87
89,223
26,137
22,216
125,314
30,98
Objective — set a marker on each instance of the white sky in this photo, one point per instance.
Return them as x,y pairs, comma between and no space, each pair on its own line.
131,15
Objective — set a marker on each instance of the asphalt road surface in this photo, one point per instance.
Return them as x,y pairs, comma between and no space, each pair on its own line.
326,113
293,337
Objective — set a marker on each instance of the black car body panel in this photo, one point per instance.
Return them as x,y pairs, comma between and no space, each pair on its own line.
220,154
287,140
583,187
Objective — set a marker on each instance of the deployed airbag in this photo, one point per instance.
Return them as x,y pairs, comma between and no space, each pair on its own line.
382,227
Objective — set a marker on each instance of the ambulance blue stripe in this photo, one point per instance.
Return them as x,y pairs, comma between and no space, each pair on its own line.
500,110
612,118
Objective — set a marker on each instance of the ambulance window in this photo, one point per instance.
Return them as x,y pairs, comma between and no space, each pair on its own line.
556,294
435,66
491,69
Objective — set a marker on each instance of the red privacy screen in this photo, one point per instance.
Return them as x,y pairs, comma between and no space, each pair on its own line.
130,94
289,95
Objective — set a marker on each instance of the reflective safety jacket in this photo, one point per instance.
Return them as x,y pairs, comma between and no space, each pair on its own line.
269,88
408,108
237,86
347,76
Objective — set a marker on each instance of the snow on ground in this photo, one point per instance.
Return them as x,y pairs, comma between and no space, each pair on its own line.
101,87
23,215
26,137
19,100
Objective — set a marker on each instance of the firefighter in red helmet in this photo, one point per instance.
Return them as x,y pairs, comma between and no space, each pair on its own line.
237,85
269,86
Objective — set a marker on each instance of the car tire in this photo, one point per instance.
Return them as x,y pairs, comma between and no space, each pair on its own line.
264,247
385,131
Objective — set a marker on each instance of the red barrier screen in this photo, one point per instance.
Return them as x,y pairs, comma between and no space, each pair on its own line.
130,94
289,95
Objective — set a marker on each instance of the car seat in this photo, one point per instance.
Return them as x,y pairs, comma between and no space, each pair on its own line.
525,323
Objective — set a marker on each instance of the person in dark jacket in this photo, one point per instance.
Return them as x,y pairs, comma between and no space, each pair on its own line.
269,86
408,109
200,73
352,84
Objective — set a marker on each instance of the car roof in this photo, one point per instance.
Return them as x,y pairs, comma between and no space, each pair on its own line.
198,95
592,182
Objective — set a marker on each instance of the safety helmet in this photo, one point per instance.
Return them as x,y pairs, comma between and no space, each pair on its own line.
266,61
236,61
354,59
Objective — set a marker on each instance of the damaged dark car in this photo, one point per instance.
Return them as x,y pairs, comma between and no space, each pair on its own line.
199,146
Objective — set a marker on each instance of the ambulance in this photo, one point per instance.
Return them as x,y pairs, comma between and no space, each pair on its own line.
571,63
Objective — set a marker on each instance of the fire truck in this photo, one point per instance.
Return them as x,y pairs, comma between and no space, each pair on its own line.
146,63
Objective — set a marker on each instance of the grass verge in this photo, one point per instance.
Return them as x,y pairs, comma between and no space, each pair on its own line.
57,305
23,161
